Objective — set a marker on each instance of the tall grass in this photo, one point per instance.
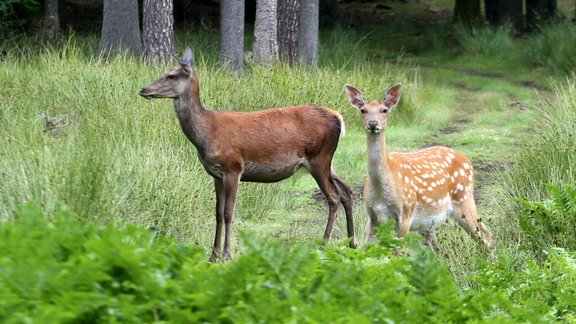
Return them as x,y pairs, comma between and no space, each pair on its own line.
124,158
493,42
547,157
554,47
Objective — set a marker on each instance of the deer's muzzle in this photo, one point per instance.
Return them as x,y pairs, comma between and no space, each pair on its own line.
145,93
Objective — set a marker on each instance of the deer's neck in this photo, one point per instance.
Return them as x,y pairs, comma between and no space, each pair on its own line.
193,117
378,165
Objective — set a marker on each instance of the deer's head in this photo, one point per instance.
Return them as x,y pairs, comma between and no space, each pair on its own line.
375,112
174,83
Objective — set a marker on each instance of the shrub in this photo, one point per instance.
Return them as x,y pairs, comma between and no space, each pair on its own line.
527,290
72,271
552,222
69,270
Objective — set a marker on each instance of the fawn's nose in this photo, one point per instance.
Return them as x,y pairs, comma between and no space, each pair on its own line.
372,124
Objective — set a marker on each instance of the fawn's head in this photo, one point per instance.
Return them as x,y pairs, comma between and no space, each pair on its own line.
375,112
174,83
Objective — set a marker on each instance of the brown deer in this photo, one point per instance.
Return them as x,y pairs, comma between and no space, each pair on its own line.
262,146
419,189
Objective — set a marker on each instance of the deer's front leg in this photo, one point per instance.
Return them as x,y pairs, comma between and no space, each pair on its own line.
220,203
371,226
404,222
231,181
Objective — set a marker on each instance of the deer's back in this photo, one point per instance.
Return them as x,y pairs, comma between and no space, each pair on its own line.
280,129
270,145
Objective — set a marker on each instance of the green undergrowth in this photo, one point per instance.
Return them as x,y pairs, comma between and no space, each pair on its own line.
65,269
549,154
536,191
60,268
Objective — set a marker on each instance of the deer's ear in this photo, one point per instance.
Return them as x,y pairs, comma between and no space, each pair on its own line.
392,96
187,59
355,96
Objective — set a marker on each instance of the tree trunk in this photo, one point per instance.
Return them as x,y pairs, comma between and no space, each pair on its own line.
467,12
499,12
308,36
539,12
265,49
120,28
288,30
232,34
51,28
158,30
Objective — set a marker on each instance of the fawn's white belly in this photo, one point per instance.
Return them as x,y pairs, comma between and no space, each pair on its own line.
425,219
421,218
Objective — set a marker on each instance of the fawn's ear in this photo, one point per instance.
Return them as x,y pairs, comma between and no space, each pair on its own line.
355,96
392,96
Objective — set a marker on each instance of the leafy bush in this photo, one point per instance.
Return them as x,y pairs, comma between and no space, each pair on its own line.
529,291
67,270
552,222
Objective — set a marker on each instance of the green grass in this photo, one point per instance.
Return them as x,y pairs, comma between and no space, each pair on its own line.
545,158
554,48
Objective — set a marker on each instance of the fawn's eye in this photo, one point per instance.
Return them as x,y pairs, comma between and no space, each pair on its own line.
362,110
170,76
385,110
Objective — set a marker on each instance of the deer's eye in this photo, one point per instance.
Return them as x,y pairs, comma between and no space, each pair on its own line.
170,76
385,110
362,110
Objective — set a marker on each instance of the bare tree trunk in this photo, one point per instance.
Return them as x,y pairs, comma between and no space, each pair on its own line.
232,34
539,12
308,36
500,12
288,30
467,12
51,28
158,30
265,49
120,27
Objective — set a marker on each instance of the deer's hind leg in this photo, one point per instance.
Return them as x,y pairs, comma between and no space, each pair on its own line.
323,177
466,215
347,201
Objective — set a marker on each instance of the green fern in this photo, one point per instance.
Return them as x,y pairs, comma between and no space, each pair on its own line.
552,222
